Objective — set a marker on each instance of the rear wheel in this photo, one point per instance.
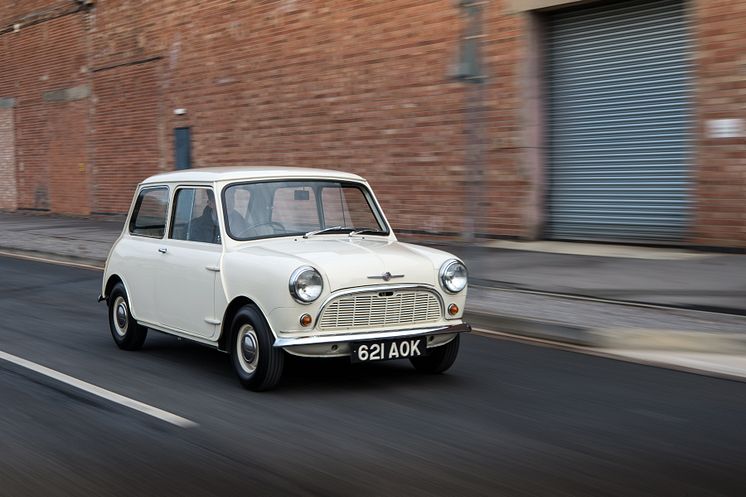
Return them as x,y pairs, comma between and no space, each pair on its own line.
256,361
440,358
128,334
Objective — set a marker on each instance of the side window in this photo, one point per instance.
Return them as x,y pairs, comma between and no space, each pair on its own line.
149,214
182,213
194,216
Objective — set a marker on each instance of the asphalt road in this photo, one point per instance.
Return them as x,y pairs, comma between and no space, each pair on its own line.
508,419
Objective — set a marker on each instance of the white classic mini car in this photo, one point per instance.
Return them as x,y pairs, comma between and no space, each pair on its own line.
260,262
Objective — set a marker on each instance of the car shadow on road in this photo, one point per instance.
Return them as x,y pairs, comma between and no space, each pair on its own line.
300,374
334,374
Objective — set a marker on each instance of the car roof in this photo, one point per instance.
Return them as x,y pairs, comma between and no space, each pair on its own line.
236,173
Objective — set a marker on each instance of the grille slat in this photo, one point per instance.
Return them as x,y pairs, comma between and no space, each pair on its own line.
370,309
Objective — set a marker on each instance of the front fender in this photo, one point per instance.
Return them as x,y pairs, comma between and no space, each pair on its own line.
263,279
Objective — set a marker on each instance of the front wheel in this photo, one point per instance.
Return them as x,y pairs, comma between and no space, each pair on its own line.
440,358
256,361
128,334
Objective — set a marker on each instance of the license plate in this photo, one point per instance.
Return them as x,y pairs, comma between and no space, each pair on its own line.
387,350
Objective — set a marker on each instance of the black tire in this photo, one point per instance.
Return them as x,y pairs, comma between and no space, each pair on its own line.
128,334
440,358
249,331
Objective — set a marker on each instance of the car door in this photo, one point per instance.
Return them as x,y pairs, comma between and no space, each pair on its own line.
190,264
139,249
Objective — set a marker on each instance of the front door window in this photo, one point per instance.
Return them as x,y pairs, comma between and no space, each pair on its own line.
195,216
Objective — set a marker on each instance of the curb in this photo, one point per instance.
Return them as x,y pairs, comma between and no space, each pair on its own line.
670,340
531,328
613,338
579,295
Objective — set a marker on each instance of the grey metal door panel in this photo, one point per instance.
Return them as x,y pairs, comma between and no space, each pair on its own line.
619,121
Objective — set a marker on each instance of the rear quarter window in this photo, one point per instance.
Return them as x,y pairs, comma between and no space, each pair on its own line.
149,215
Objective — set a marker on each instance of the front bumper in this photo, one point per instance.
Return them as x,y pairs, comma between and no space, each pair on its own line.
370,335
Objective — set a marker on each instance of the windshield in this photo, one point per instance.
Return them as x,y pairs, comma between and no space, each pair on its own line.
305,207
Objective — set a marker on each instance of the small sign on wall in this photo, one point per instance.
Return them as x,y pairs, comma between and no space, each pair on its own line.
725,128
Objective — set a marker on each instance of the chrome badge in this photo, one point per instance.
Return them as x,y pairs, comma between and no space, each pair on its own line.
386,276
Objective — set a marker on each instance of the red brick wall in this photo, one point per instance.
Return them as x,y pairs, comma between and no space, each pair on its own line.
125,138
720,166
7,159
358,86
507,184
66,157
25,12
50,137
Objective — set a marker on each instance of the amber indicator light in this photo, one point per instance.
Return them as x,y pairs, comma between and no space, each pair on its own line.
305,320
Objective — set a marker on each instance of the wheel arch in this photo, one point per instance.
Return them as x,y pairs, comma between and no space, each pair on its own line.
230,312
113,280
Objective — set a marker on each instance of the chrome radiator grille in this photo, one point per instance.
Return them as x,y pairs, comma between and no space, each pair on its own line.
380,309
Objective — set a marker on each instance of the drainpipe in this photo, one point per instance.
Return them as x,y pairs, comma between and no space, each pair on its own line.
469,70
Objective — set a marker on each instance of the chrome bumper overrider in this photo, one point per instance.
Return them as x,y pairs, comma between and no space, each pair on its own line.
371,335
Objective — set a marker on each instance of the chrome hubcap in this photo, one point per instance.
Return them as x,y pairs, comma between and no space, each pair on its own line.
248,348
122,315
119,309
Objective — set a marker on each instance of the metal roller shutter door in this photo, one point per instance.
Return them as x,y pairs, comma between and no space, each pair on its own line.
620,122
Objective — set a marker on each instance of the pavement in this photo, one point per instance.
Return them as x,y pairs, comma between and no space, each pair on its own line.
628,299
509,419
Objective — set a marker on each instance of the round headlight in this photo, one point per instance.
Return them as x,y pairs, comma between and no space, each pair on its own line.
453,276
306,284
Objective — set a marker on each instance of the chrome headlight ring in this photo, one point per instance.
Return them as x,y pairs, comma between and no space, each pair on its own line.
306,284
453,276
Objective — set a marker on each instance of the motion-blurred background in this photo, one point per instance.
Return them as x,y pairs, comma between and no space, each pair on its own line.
530,119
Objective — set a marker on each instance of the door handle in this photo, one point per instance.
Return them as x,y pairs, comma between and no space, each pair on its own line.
162,250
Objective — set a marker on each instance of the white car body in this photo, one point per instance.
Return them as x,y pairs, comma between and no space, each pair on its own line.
190,289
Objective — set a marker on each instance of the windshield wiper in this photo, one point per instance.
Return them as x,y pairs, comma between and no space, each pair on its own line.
353,230
330,228
360,231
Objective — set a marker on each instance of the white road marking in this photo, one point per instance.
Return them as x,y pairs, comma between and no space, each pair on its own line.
59,262
101,392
